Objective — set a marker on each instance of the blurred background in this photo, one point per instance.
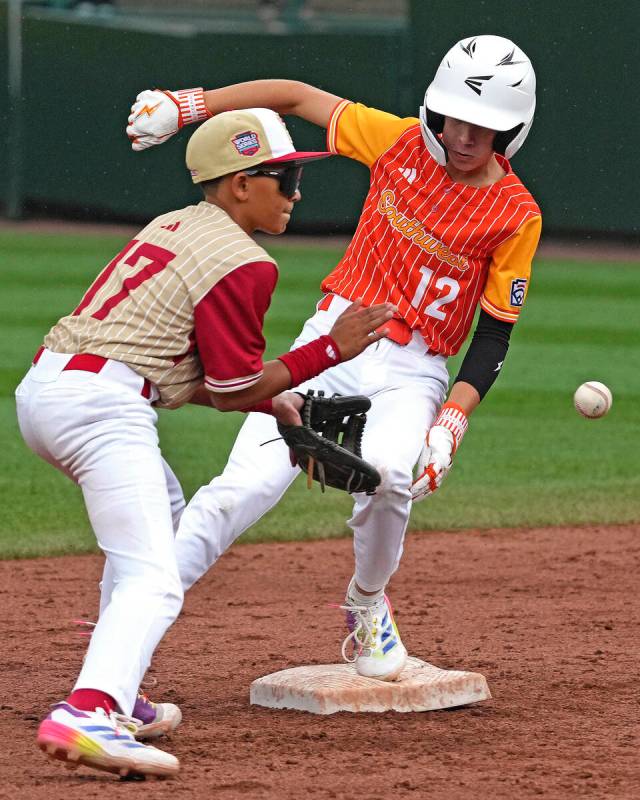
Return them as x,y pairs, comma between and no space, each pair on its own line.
70,73
73,69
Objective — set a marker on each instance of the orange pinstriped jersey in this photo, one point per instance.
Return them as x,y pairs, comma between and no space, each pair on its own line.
429,245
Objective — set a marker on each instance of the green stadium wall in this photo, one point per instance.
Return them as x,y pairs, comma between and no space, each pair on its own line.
579,160
80,77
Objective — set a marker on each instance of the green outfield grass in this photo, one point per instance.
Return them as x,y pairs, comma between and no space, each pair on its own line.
528,458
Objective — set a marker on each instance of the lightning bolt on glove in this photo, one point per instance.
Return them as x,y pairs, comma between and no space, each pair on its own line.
158,114
436,457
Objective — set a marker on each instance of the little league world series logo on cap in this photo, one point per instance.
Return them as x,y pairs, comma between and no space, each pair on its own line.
247,143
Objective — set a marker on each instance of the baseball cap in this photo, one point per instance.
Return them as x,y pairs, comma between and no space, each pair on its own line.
236,140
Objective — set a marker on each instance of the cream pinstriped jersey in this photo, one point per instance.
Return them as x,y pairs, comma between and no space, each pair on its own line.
150,307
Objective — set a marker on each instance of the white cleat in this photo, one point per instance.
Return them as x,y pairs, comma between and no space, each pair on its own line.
377,650
102,741
154,719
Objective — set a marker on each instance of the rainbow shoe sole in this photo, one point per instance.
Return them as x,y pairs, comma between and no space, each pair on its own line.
100,741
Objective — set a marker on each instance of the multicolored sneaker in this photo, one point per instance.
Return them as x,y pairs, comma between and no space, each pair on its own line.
377,650
155,719
102,741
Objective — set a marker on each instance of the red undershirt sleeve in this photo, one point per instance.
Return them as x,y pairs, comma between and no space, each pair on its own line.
228,326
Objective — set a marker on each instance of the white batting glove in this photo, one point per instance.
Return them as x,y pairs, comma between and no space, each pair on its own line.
157,114
436,457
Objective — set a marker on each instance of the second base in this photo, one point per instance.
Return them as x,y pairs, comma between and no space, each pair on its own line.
328,688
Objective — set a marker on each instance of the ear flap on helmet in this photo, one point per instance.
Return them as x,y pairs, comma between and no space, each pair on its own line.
521,134
504,138
435,121
432,125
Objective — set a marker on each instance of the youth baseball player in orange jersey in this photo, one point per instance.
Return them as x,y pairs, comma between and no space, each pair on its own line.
175,317
446,224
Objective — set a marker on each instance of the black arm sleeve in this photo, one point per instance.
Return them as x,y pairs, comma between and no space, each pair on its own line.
486,353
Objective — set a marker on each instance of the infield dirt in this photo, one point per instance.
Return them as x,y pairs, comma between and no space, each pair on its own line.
550,616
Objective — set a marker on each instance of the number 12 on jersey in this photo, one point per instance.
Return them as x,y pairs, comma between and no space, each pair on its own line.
434,309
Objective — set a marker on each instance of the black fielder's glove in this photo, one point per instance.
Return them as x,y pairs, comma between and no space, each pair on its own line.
327,446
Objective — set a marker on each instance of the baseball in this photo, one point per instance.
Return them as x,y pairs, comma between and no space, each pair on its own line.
592,399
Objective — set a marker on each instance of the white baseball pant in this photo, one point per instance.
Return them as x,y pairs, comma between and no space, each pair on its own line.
100,431
406,385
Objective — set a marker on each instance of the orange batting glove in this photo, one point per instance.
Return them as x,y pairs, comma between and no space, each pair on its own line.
157,114
443,439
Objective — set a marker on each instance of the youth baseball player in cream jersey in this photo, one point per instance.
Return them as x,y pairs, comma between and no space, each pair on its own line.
175,317
446,225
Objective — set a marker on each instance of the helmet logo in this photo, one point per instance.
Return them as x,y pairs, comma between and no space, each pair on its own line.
470,47
508,61
476,82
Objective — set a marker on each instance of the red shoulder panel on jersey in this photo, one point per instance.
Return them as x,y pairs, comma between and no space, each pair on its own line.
228,324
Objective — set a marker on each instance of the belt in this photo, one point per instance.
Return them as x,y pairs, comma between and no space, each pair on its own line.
399,331
86,362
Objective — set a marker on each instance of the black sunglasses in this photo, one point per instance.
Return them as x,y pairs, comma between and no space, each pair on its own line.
288,177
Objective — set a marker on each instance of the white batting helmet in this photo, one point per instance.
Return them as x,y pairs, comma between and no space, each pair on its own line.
487,81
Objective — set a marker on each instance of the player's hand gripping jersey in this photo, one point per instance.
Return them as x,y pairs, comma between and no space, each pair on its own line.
429,245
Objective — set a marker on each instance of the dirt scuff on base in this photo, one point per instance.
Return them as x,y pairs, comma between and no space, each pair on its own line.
550,616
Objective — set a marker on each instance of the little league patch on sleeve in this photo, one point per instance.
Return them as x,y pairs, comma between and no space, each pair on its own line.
518,290
247,143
